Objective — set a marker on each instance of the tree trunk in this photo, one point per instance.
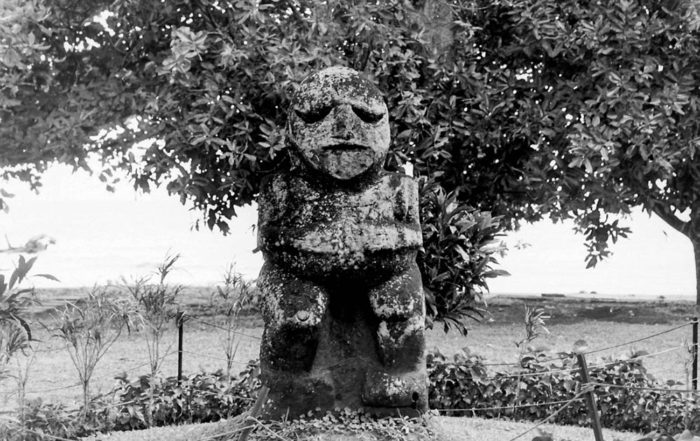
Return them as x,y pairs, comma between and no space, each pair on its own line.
694,235
691,230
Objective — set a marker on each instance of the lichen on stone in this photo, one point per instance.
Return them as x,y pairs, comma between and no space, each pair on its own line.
339,124
340,237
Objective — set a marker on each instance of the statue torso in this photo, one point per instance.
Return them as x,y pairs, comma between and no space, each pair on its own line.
310,229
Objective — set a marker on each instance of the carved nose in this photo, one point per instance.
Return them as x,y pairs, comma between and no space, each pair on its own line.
342,126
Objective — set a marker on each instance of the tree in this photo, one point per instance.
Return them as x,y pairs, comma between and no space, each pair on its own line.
521,108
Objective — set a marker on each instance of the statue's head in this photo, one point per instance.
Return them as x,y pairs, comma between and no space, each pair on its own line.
339,123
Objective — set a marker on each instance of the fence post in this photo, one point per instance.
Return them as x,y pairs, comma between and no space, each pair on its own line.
590,399
695,354
180,320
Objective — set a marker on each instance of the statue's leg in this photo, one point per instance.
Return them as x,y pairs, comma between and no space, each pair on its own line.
399,306
292,309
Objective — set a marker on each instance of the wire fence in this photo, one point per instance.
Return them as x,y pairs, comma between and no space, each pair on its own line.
546,371
233,330
550,417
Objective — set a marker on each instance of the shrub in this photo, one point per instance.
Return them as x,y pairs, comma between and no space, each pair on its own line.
200,398
49,421
460,383
463,383
460,245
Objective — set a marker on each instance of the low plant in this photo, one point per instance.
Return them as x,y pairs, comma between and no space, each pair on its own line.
52,421
200,398
13,340
14,300
88,329
534,323
155,309
23,365
228,300
15,330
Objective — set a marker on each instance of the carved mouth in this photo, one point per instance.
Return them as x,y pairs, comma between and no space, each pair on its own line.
345,148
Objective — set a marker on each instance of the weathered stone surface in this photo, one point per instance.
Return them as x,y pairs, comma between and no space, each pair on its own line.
343,302
339,123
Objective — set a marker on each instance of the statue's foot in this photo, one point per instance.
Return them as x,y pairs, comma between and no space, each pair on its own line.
292,394
408,390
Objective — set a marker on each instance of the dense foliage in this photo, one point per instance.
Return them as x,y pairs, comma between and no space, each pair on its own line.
460,245
44,421
464,383
462,386
526,108
197,398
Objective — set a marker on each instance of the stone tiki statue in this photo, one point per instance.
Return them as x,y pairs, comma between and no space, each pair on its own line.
343,302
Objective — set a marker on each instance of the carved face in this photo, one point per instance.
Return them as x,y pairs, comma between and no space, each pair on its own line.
339,123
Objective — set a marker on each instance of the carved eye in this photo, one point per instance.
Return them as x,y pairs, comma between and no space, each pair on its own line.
314,115
366,115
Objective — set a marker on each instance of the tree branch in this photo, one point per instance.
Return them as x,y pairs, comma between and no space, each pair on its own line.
667,216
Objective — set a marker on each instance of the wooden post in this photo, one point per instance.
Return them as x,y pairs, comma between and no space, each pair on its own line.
180,331
590,399
695,354
692,230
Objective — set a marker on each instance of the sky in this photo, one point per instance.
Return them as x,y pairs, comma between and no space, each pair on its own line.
102,237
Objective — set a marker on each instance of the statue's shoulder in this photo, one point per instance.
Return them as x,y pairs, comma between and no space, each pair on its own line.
272,200
275,187
403,193
404,186
399,181
273,181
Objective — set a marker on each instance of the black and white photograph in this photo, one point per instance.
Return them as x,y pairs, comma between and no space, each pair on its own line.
351,220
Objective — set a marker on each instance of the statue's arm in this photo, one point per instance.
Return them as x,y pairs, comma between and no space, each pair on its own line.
271,208
407,208
413,202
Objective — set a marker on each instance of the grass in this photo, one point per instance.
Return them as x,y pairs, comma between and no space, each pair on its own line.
600,324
